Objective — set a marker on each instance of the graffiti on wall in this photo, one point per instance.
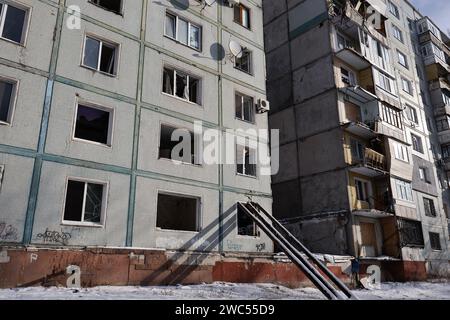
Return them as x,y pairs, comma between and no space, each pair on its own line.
233,246
261,247
8,232
56,237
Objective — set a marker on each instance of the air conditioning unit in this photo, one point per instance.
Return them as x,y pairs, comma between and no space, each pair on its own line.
263,106
232,3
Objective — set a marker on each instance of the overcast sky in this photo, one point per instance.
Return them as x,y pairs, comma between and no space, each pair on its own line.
437,10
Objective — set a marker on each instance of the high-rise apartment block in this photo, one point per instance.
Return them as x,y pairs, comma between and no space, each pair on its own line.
360,92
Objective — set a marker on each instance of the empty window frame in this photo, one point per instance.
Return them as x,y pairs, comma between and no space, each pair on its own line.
13,22
407,86
443,123
430,209
358,150
85,202
242,15
245,225
182,85
411,114
110,5
348,77
246,161
435,241
402,59
417,143
245,108
410,233
100,55
391,116
363,192
393,9
183,31
178,212
401,152
397,33
404,190
93,123
8,89
244,63
168,141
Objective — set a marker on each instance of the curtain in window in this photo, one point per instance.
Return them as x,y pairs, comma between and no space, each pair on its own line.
182,31
168,81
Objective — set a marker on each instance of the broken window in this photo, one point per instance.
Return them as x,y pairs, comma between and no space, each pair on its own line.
93,124
362,190
244,62
183,31
110,5
410,232
186,150
245,225
244,107
7,91
430,209
100,55
177,212
246,161
358,150
12,22
242,15
181,85
84,202
417,143
348,77
435,241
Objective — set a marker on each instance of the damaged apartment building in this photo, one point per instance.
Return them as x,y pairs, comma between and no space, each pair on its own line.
360,91
87,112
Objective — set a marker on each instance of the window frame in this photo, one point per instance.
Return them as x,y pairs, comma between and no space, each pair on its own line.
117,47
401,55
253,111
189,24
104,210
419,139
250,62
244,174
408,190
367,189
13,100
431,207
401,150
242,8
26,24
431,241
111,122
189,75
199,210
257,233
396,31
393,9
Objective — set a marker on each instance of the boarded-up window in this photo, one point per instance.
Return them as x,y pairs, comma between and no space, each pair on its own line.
410,233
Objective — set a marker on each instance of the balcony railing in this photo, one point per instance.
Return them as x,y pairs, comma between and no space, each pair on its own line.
373,160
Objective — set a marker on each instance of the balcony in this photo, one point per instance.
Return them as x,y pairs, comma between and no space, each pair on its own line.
353,58
372,164
437,69
428,36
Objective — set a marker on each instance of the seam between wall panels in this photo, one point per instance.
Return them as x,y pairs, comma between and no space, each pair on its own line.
35,181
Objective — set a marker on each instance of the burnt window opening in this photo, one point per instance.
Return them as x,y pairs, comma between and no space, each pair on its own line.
166,146
7,91
435,241
84,202
110,5
177,212
93,124
100,55
430,209
245,225
411,234
12,22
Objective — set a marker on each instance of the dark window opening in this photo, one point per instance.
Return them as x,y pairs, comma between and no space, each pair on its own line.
6,95
244,62
435,241
177,213
92,124
166,146
430,209
410,233
83,202
245,225
13,20
110,5
246,161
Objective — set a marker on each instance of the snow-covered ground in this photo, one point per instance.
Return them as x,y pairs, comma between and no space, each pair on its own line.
228,291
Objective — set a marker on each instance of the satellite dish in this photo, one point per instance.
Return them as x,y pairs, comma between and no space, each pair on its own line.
209,2
235,49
